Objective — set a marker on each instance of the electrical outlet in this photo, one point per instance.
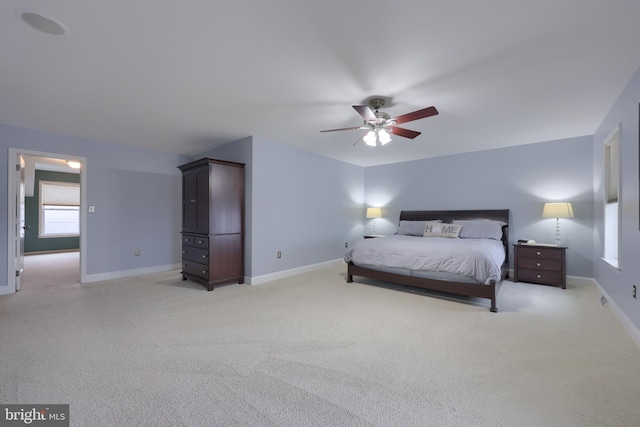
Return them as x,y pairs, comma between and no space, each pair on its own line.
136,252
279,254
633,291
346,244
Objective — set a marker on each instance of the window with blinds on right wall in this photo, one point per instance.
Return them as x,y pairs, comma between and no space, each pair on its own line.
611,196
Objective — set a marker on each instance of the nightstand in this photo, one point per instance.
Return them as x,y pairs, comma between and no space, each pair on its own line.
546,265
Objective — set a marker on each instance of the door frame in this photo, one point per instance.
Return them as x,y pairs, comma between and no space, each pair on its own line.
12,188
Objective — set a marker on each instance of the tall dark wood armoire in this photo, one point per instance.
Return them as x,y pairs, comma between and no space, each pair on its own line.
213,222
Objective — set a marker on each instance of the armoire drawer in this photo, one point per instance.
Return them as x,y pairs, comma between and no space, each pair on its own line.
195,269
195,240
195,254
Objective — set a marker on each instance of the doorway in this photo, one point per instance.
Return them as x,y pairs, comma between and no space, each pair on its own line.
25,163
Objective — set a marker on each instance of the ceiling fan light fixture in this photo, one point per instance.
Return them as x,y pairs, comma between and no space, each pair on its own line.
370,138
383,136
380,125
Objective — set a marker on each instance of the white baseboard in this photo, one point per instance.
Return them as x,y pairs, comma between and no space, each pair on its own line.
257,280
628,326
129,273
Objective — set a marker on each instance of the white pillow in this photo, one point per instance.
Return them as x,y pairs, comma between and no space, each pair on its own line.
438,229
480,228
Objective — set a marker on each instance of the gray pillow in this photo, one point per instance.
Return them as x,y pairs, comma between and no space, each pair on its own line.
412,228
480,228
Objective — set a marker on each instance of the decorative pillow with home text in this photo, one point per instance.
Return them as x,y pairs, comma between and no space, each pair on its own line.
439,229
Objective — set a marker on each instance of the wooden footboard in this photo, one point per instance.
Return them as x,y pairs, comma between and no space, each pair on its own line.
458,288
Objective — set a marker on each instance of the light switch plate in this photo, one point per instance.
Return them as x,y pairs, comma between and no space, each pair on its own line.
92,208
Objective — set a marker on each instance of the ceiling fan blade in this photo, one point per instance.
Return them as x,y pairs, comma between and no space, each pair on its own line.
358,140
335,130
366,112
394,130
416,115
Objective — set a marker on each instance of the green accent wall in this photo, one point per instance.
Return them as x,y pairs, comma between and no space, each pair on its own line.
32,243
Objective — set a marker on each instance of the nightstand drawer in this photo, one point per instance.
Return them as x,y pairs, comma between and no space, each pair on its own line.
539,276
538,252
540,264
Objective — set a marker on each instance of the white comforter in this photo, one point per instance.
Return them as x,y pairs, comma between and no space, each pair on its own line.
480,259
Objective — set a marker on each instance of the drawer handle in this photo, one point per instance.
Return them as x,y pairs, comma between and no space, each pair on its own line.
204,256
537,264
204,271
538,253
187,240
184,252
200,241
184,265
193,200
539,276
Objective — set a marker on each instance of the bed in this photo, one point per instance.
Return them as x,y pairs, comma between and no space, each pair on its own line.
399,263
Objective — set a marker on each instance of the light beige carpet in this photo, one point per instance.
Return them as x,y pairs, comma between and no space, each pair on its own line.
313,350
53,270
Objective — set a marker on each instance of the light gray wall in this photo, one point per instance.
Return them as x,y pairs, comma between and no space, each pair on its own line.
303,205
618,283
136,194
520,178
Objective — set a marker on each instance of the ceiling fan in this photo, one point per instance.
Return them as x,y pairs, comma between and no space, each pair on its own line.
380,125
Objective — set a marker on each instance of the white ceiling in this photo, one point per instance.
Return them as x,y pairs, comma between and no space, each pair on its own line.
186,76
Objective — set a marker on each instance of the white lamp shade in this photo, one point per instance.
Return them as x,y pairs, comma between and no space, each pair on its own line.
557,210
374,213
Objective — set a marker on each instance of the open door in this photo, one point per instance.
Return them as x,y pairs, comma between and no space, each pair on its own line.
19,181
19,223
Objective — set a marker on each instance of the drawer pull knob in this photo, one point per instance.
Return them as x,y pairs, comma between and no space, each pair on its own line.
193,200
204,256
204,271
538,253
538,276
200,241
537,264
184,252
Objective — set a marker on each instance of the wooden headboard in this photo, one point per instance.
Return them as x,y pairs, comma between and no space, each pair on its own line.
448,216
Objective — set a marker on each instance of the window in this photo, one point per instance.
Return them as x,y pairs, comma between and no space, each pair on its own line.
59,209
611,196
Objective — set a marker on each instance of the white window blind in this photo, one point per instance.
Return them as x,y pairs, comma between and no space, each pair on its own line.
59,209
60,194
